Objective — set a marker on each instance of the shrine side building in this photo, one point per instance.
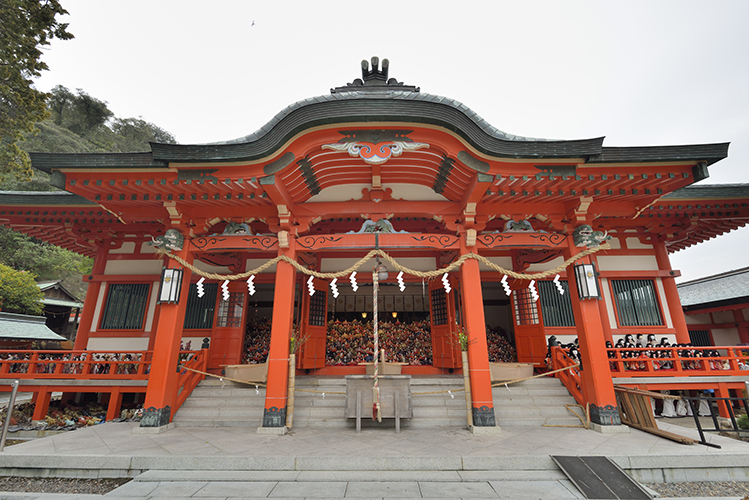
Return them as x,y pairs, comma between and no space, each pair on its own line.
379,165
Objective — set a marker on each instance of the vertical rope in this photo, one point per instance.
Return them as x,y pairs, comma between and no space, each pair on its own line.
376,414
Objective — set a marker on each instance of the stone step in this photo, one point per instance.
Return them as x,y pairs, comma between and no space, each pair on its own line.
533,402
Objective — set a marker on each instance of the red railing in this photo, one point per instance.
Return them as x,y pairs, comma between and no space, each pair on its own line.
187,380
88,365
570,378
678,361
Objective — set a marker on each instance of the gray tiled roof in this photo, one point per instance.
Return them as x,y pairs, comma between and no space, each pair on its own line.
42,198
708,191
719,287
22,327
367,106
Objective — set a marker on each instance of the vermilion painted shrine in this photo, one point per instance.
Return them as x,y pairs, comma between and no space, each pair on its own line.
378,165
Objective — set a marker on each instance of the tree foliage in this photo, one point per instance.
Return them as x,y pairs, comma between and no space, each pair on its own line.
46,261
25,27
80,123
19,293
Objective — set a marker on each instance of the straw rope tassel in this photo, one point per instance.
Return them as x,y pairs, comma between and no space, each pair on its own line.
376,413
398,267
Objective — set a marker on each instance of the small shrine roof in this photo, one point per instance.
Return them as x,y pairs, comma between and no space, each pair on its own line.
705,292
22,327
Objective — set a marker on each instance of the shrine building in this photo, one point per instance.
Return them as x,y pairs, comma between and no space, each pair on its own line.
536,237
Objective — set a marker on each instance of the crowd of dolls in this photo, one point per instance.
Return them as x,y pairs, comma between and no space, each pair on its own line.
352,342
256,341
100,363
500,348
661,358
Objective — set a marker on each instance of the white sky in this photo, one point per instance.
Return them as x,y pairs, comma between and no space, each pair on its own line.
638,72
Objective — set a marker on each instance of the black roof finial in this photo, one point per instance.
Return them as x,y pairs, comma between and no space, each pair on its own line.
374,79
375,73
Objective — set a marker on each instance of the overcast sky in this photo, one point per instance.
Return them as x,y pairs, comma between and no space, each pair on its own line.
639,73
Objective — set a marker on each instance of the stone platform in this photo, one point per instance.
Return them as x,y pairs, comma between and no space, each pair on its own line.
339,463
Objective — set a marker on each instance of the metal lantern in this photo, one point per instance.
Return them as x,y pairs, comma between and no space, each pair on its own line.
170,287
587,281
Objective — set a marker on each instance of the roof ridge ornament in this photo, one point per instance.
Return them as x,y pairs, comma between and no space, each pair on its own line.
374,80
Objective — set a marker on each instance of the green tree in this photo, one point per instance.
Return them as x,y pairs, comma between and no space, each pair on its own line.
19,293
25,27
44,260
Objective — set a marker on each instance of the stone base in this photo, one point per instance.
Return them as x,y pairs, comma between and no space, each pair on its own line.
609,429
272,431
153,430
494,429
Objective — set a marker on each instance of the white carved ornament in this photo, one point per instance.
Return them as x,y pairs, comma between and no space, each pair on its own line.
375,154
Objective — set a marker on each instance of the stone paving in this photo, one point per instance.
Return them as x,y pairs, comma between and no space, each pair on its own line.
234,462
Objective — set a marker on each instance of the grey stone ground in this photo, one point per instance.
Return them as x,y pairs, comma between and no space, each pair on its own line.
447,463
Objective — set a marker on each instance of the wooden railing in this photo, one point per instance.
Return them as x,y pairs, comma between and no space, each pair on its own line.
187,380
570,378
78,365
671,367
678,361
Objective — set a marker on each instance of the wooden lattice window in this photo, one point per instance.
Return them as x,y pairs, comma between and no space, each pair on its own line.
700,338
439,306
317,309
199,311
526,310
636,303
230,311
125,307
556,308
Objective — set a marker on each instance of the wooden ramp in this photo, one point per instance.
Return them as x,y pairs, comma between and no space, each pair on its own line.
600,478
635,411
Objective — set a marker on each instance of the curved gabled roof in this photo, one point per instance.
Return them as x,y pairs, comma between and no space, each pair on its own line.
378,106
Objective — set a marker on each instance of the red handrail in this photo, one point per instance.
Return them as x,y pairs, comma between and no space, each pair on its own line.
187,380
681,361
570,378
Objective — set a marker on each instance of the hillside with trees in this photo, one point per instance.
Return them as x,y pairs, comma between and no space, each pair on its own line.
78,123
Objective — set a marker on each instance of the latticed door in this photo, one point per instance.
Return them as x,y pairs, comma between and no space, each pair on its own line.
530,340
445,346
314,326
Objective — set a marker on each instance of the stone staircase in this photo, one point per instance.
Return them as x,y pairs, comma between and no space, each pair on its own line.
214,403
319,402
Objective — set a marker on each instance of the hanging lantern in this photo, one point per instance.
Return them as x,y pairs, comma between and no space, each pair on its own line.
587,281
170,286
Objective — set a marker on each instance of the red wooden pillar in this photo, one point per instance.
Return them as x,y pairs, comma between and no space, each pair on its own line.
89,306
115,402
598,388
602,310
276,392
162,381
41,405
672,295
478,352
